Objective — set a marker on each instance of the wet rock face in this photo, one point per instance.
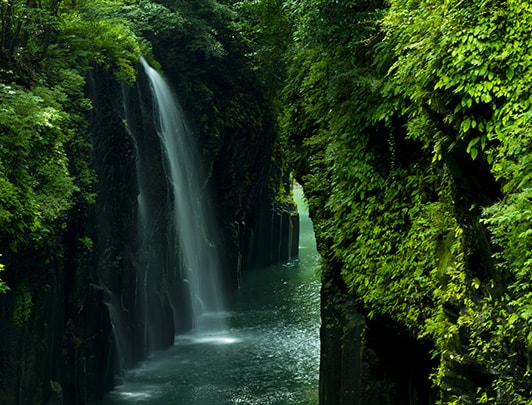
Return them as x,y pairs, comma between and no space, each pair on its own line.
112,218
274,238
368,361
341,338
123,137
55,342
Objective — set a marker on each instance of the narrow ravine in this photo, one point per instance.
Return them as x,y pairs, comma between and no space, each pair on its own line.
269,354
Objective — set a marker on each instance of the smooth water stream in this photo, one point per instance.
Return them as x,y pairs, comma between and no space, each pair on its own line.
191,214
268,355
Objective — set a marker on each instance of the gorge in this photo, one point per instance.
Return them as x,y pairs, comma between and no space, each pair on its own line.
406,123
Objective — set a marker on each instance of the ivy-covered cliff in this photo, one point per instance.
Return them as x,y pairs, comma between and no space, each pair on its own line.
411,126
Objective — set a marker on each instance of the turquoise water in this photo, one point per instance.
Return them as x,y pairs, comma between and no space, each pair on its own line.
268,355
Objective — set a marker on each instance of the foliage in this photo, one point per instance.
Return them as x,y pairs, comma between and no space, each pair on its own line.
106,43
266,29
81,32
47,49
26,30
35,181
469,81
471,71
410,128
412,141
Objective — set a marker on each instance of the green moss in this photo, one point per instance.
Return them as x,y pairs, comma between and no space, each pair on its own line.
23,306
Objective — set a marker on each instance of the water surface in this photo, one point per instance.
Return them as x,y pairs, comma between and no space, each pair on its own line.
268,355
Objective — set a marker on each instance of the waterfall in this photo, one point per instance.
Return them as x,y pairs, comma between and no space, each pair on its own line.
155,238
178,265
191,219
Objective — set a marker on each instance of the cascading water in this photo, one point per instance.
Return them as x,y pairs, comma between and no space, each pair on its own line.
152,190
192,221
271,357
177,264
155,243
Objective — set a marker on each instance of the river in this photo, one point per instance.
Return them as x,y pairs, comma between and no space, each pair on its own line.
269,354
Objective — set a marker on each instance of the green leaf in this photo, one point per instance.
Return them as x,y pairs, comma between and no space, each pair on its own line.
510,73
466,124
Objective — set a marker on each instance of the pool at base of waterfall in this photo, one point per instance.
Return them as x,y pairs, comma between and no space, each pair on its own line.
269,355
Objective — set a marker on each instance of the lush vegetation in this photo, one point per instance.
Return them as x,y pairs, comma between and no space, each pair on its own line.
412,126
46,51
408,122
